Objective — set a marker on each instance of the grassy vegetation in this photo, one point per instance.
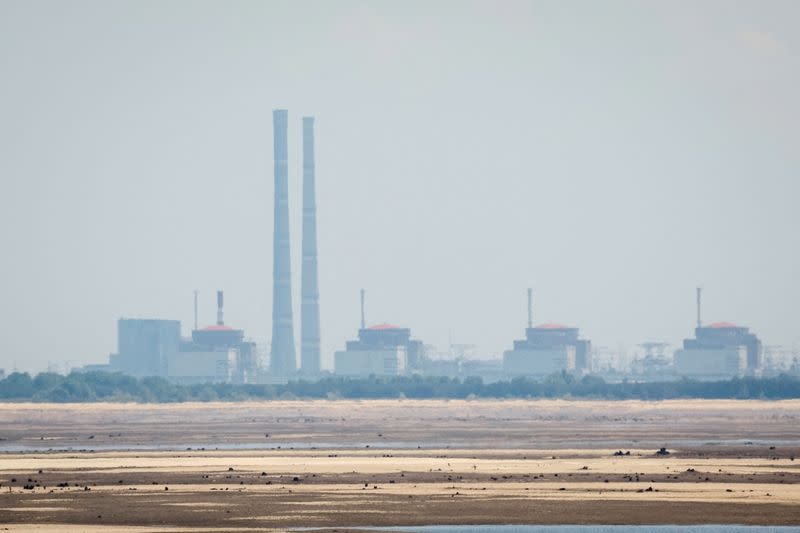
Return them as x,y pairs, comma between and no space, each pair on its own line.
115,387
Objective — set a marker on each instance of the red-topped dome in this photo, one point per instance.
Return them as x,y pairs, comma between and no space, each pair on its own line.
722,325
552,326
384,326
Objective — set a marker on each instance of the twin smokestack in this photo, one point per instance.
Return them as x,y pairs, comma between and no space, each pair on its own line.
282,360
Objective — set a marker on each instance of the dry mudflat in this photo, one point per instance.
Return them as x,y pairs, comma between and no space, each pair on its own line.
259,466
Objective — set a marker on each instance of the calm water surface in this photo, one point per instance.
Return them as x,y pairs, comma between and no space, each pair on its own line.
587,529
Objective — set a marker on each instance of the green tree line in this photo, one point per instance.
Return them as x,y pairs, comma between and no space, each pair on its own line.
116,387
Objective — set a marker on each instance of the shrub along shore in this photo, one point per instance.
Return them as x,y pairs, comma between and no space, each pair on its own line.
116,387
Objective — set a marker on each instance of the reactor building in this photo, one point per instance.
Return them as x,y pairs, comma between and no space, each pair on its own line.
217,353
214,354
547,349
721,350
381,350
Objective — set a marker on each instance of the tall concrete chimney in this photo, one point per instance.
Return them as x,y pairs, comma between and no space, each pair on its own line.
282,359
309,294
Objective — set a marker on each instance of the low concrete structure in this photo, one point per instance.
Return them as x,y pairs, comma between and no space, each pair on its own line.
711,363
389,361
91,368
539,363
450,368
213,366
489,370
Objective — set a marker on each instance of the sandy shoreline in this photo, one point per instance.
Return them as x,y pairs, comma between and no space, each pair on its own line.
504,474
482,424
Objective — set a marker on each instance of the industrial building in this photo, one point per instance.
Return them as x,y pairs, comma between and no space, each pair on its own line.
489,370
721,350
450,368
728,335
381,350
145,345
547,349
219,352
150,347
215,353
216,365
653,363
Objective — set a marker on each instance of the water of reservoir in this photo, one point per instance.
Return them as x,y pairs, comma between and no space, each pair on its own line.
587,529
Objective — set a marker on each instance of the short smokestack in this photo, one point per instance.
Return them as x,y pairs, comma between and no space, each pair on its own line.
220,321
699,321
530,308
363,319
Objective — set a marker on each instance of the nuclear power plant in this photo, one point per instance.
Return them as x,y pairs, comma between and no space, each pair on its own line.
221,353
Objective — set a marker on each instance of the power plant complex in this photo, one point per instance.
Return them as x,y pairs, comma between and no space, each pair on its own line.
221,353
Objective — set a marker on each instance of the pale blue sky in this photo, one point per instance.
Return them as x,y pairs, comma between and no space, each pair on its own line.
611,155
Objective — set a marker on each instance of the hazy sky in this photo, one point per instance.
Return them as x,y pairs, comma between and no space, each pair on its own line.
611,155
